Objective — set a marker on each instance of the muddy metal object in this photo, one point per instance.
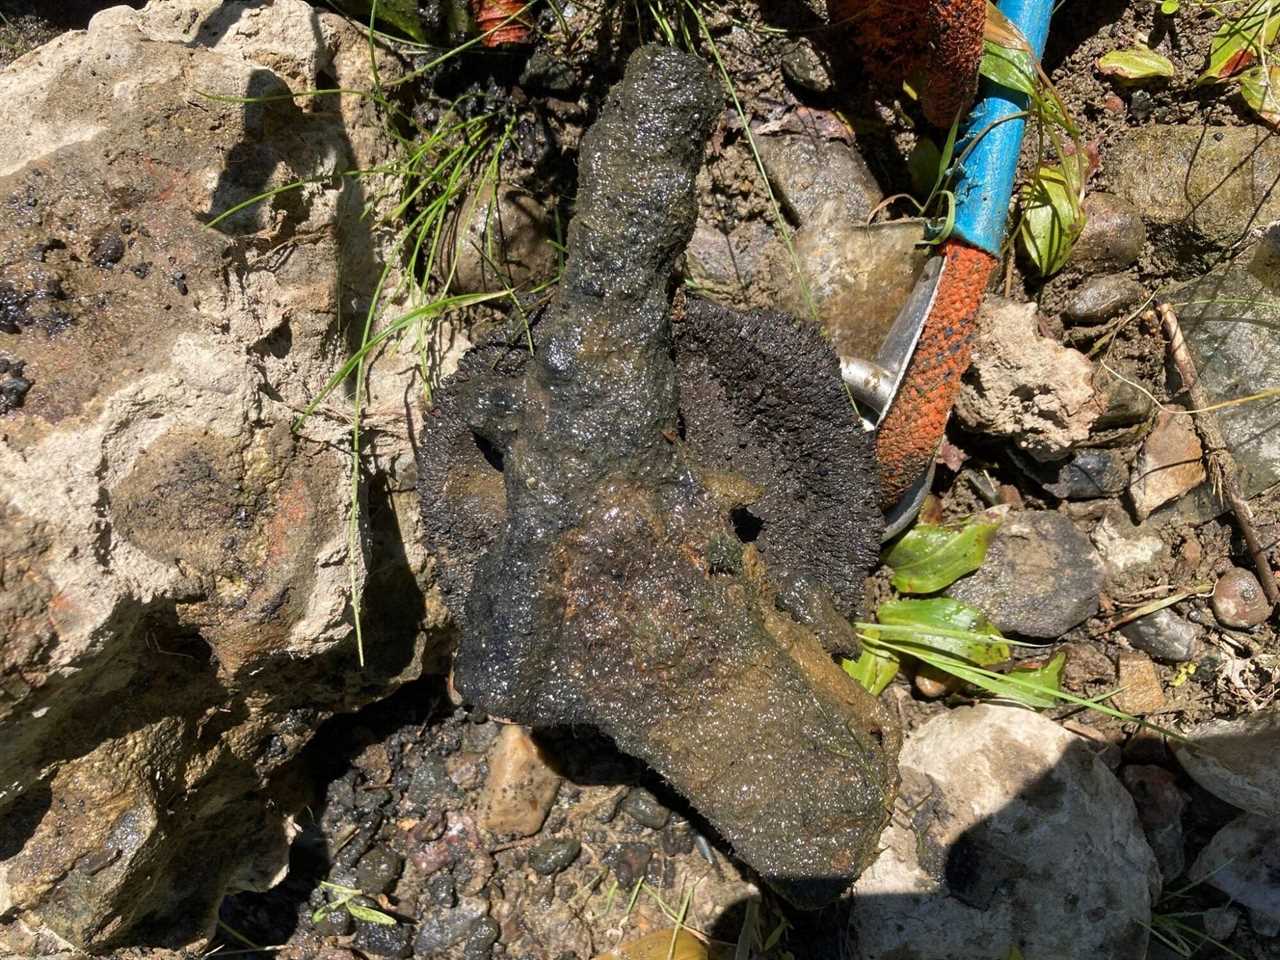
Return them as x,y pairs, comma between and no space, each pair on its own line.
659,524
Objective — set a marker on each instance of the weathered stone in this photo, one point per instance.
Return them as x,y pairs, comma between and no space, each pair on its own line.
806,67
672,476
1229,320
1089,474
521,786
1165,636
1113,235
1102,297
441,929
1169,465
179,618
1238,600
1213,182
1040,578
1243,861
809,172
1026,387
1002,810
1160,807
1127,549
554,854
1140,691
1235,760
378,870
645,809
383,940
502,238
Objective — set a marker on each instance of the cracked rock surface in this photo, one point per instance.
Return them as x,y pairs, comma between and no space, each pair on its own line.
659,524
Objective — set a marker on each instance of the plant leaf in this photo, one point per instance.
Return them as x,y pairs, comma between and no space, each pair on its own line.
401,14
1135,64
1008,66
950,615
370,915
1170,7
1239,41
672,943
1047,677
874,669
927,557
1259,86
1052,217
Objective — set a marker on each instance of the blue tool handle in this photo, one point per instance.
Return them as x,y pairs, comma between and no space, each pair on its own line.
988,171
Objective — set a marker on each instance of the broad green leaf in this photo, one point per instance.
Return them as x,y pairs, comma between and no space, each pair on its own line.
927,557
1135,64
1052,217
950,615
370,915
1261,91
1169,7
925,166
1009,67
1241,40
874,669
1047,678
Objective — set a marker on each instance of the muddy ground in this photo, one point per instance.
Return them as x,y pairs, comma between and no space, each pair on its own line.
391,801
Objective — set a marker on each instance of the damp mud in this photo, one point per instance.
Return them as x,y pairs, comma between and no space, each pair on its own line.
659,523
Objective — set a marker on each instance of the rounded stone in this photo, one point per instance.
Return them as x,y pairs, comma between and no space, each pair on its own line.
1238,600
1165,636
554,854
378,870
643,807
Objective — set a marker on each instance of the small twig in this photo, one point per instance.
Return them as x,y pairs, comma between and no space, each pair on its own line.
1221,466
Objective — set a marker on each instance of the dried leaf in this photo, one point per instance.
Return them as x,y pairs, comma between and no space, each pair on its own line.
658,946
370,915
1135,64
1259,88
1241,40
927,557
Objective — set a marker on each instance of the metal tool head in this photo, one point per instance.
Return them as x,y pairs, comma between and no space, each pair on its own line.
875,383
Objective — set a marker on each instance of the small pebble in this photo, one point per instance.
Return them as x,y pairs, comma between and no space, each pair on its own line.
441,929
677,838
107,250
1220,922
440,891
645,809
1238,600
383,940
1165,636
334,923
466,769
554,854
629,861
481,939
378,870
1140,691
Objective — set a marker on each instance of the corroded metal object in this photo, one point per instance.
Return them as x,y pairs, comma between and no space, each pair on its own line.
659,524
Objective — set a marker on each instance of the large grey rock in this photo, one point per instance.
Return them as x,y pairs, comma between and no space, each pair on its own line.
1007,832
1235,760
1216,183
1229,318
1040,578
1243,861
175,618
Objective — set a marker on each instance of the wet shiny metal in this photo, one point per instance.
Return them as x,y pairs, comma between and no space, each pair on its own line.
875,383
